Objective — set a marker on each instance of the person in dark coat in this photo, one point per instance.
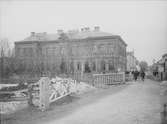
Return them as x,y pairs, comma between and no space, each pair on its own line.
142,74
135,74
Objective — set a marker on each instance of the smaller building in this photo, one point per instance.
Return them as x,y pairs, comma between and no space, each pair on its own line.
165,62
160,68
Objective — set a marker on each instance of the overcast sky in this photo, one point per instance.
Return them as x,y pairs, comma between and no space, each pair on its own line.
142,25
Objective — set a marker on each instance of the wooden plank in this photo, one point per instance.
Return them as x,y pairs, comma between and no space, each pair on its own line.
14,99
34,91
35,97
12,92
108,74
61,97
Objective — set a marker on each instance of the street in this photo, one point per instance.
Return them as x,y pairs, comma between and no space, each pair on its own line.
132,103
139,103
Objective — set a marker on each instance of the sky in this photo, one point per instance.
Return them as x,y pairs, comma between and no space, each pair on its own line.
141,24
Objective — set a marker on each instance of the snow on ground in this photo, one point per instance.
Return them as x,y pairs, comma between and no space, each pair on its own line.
7,85
163,86
163,91
78,87
75,87
83,87
11,107
163,83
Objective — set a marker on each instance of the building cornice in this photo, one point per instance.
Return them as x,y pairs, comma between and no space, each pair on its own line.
74,40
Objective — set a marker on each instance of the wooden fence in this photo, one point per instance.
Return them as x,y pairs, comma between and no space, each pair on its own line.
108,79
42,92
128,77
99,80
46,91
8,96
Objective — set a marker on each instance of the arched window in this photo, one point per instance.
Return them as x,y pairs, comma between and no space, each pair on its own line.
94,66
78,66
111,66
103,67
72,67
63,67
87,68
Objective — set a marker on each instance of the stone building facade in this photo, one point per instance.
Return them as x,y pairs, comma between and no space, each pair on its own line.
74,51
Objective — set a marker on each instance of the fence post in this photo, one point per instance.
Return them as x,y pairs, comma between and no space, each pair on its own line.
44,93
92,81
30,97
123,77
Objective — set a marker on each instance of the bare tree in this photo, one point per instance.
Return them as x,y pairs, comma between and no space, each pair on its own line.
5,52
7,58
143,65
5,48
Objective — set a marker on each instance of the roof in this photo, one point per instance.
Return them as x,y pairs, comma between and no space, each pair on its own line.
76,35
83,35
164,55
42,37
73,35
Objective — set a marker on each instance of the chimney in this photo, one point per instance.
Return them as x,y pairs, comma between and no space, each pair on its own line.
32,33
96,28
87,29
59,31
44,33
73,31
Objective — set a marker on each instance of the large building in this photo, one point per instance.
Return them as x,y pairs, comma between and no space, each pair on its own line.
74,51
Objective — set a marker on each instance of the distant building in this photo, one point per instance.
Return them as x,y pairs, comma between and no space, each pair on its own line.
85,50
132,62
160,68
164,57
162,64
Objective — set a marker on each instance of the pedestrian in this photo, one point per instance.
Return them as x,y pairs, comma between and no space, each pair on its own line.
142,74
135,74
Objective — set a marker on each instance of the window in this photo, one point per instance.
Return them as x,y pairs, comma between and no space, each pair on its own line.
50,51
72,66
24,51
103,67
111,66
78,66
95,49
62,51
27,52
63,66
54,51
94,66
31,52
87,68
18,51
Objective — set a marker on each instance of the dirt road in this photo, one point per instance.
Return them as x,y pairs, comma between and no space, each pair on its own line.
134,103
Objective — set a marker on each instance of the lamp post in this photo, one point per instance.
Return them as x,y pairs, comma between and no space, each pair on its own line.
165,65
2,63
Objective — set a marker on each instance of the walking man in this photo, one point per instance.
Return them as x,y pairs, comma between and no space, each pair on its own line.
142,74
135,74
